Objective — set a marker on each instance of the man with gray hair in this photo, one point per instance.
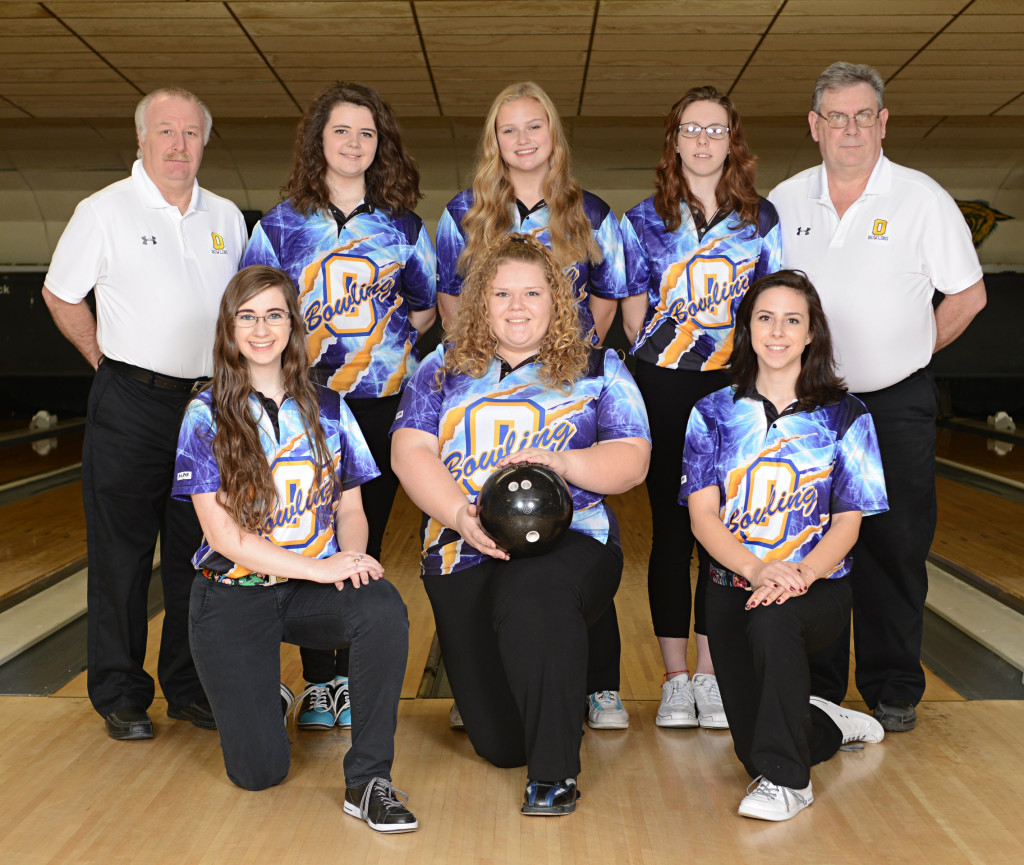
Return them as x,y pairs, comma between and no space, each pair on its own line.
877,240
157,250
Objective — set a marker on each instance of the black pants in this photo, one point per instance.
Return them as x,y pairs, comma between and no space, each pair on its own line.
760,659
890,581
131,438
514,639
374,417
237,633
670,395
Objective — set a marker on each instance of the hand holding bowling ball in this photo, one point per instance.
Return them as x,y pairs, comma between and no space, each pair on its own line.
526,508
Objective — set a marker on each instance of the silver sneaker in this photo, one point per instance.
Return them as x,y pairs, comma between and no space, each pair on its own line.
677,708
606,712
710,711
855,726
768,801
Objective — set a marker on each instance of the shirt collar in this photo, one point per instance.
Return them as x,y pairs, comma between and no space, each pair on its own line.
152,197
879,181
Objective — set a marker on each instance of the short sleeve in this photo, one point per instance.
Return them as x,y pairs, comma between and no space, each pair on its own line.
700,451
770,258
195,467
858,481
356,465
80,257
608,279
450,243
419,277
637,263
621,412
948,252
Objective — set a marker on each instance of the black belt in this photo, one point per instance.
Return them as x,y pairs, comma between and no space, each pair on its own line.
155,379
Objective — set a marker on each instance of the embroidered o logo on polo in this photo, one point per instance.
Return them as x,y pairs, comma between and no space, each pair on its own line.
218,241
879,227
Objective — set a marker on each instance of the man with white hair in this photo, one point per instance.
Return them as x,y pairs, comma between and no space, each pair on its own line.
157,250
878,240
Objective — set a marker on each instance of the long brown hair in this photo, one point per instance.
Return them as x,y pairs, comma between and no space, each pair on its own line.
392,180
572,236
247,488
471,346
735,191
818,382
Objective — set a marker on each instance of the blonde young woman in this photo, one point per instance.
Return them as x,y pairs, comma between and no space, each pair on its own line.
523,183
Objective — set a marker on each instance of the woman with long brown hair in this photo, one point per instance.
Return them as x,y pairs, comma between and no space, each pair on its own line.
518,382
691,251
274,465
365,270
523,183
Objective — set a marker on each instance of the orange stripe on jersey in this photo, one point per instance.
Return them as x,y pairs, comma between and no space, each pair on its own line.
680,343
779,553
345,378
394,382
454,418
571,408
720,359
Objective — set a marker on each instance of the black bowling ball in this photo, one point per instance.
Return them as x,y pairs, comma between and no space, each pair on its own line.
526,508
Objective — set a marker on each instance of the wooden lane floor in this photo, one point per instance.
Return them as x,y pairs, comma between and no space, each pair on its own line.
40,537
974,449
983,533
946,792
18,462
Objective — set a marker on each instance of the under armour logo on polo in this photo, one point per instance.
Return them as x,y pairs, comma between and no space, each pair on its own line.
148,240
806,230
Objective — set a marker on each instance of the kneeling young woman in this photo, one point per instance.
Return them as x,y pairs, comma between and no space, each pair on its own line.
273,464
519,382
778,470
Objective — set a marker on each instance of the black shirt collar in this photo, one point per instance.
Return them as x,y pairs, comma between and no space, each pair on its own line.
525,211
341,218
508,369
702,226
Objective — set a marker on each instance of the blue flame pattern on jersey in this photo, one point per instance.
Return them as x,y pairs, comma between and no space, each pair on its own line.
356,288
607,279
304,519
780,482
480,420
694,285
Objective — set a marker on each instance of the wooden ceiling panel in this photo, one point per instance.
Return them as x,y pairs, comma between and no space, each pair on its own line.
874,8
675,41
184,9
368,60
523,9
324,47
462,25
692,25
168,42
852,21
667,8
367,27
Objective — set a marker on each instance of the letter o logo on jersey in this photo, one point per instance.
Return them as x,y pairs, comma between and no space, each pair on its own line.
495,428
712,290
879,227
349,289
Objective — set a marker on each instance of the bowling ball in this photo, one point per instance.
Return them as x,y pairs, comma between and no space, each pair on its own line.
526,508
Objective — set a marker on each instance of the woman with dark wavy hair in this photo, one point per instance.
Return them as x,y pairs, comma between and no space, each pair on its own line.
365,270
274,465
778,471
691,251
523,183
518,382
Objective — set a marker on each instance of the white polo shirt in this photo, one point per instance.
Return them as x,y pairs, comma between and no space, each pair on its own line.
158,274
876,268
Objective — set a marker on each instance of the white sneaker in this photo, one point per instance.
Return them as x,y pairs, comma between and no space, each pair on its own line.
855,726
455,718
710,711
606,712
677,707
769,801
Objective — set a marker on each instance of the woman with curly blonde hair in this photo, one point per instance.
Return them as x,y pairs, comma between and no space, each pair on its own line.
523,183
692,249
519,383
366,272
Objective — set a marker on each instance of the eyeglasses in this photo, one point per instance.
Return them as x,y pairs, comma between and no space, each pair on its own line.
247,319
838,120
693,130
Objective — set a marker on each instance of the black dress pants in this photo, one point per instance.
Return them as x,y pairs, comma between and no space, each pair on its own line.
131,439
514,639
760,659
